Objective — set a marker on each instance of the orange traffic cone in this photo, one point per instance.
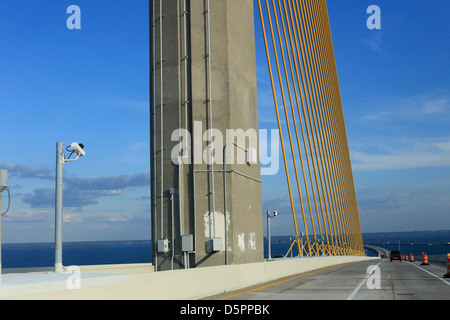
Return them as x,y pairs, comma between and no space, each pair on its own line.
424,259
411,258
406,258
447,275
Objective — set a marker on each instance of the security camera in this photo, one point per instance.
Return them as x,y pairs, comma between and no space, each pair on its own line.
78,149
275,213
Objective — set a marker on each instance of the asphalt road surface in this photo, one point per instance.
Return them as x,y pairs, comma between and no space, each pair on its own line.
370,280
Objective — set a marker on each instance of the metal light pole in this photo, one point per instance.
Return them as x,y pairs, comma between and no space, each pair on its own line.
268,235
269,241
59,206
3,187
301,241
60,160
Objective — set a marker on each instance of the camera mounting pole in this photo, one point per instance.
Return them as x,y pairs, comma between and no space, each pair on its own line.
58,206
3,187
269,240
60,160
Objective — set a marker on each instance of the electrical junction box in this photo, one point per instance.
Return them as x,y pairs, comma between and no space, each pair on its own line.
216,244
163,245
187,243
3,180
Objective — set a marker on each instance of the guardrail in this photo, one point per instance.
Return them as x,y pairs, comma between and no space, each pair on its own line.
378,250
441,259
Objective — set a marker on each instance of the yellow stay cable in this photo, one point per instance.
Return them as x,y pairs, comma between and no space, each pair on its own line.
278,116
300,57
309,50
319,184
314,110
325,115
292,110
323,124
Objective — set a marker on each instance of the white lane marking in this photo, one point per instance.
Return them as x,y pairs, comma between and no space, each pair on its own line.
439,268
440,278
352,295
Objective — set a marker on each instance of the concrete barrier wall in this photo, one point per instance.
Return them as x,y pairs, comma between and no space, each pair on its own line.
118,268
229,278
199,282
438,258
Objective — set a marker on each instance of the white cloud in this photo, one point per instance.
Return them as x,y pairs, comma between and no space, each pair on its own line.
72,217
380,116
83,192
403,108
116,216
436,106
30,215
375,43
421,154
24,171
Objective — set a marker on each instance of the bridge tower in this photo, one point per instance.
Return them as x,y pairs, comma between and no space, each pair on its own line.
204,102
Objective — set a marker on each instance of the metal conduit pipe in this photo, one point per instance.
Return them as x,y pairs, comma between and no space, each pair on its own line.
195,210
185,59
186,108
235,172
210,116
172,231
225,196
162,115
179,202
225,193
193,186
153,119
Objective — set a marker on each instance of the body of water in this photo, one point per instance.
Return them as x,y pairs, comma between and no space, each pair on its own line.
86,253
121,252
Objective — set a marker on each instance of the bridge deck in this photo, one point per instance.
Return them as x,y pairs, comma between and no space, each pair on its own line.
168,285
397,281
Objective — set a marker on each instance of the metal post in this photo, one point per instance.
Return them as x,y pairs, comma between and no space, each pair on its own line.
171,192
59,206
301,240
153,151
225,193
0,239
269,242
210,108
3,187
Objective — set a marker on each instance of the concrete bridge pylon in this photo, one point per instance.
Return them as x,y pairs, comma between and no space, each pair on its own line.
204,111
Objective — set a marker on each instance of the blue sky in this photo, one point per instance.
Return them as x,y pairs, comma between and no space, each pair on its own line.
91,86
396,96
395,90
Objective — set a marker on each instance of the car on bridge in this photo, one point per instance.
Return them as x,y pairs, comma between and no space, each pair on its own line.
396,255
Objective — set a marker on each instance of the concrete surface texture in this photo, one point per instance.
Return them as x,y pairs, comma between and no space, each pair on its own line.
366,280
168,285
205,78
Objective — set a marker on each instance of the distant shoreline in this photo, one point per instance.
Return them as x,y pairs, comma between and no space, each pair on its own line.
76,243
436,237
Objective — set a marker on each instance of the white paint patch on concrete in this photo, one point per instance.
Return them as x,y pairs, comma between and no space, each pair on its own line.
252,241
214,225
241,241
